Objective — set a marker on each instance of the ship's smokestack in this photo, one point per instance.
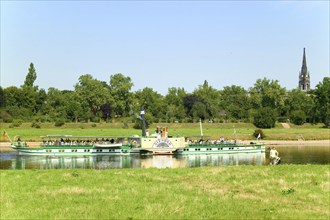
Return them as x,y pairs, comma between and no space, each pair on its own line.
143,121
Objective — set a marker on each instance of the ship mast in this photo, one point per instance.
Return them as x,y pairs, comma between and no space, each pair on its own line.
201,128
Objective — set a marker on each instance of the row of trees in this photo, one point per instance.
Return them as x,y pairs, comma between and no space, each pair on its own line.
95,100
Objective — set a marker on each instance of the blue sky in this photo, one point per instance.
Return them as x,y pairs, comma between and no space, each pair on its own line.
162,44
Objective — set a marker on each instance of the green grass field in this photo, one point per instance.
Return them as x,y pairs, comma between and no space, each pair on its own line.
233,192
244,131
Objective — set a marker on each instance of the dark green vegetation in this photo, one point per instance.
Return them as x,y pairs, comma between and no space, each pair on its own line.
94,101
244,192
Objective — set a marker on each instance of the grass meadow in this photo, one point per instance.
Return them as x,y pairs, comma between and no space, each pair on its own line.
244,131
231,192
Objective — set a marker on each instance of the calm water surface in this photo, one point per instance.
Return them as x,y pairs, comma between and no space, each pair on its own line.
289,155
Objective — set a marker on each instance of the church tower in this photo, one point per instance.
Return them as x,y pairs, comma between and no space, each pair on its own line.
304,79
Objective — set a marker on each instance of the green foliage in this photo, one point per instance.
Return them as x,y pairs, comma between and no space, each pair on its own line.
31,76
210,98
199,110
267,93
92,93
283,119
175,108
298,117
6,117
235,102
17,123
148,121
288,191
265,118
322,99
151,101
257,132
120,87
36,125
59,122
95,100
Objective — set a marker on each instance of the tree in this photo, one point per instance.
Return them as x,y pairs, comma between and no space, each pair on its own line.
120,87
235,101
151,101
322,99
20,103
199,110
73,108
2,97
188,101
298,117
298,101
31,76
266,93
174,101
210,97
265,118
92,92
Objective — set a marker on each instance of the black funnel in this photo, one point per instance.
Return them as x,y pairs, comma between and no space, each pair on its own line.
143,121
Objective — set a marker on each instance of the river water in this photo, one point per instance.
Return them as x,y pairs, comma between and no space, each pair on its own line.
289,155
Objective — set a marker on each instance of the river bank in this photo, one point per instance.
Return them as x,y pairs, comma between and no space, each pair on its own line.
293,143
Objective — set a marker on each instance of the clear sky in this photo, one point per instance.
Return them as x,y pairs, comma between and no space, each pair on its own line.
162,44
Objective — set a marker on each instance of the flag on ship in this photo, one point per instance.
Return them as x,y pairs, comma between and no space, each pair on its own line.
258,136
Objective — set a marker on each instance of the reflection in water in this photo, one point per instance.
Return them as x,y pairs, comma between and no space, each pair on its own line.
289,155
15,161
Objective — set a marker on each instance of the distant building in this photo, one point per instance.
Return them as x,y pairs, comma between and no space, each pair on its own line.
304,78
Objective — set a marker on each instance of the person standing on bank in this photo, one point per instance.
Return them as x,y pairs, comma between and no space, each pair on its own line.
273,156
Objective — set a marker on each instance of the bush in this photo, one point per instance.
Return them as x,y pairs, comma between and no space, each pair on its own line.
257,132
298,117
282,119
35,125
59,122
125,125
17,123
6,117
94,125
265,118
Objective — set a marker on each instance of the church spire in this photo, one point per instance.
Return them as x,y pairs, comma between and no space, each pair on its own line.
304,66
304,79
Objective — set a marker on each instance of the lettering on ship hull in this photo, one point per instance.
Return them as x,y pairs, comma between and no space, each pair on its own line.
162,142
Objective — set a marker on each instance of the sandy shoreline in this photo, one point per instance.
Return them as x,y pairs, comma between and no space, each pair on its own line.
5,146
